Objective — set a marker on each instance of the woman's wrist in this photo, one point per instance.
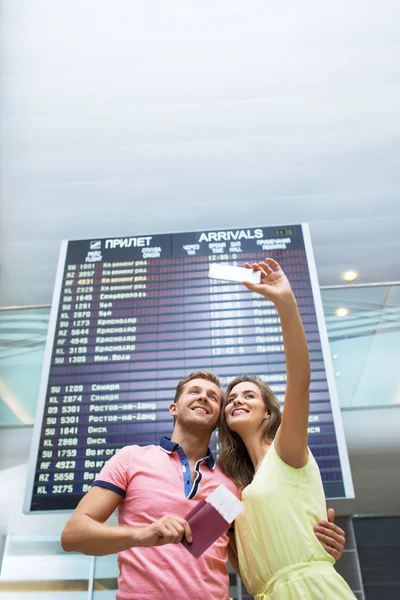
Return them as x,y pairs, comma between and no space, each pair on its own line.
285,302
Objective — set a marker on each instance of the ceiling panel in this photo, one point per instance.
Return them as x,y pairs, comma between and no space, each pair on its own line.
132,117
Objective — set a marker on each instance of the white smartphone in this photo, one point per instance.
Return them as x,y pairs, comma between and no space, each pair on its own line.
229,273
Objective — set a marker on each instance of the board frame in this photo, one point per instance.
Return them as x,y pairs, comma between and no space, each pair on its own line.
337,417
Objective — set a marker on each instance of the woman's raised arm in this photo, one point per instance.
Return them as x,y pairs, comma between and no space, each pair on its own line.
291,438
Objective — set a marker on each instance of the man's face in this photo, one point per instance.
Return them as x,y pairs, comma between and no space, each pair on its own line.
198,406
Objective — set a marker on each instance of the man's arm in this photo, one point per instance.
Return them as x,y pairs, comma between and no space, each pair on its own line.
87,532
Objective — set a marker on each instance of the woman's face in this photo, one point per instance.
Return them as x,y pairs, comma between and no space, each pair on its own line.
245,410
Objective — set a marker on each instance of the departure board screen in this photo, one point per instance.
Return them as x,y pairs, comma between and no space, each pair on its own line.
132,316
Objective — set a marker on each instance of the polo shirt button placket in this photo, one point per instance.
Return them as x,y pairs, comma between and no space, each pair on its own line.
187,471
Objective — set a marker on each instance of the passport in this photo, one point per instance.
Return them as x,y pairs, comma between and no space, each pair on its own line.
210,518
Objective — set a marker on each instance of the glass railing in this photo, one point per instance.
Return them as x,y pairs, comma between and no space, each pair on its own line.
36,568
365,346
22,341
78,577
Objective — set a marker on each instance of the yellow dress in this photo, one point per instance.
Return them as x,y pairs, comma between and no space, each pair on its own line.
280,558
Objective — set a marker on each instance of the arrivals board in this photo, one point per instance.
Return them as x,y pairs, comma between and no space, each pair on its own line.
132,316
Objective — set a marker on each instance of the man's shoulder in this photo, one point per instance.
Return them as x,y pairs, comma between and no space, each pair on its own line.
220,477
138,452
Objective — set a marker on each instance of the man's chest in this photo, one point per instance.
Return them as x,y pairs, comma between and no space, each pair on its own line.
169,489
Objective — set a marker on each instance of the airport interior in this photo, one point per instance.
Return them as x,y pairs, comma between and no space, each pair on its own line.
142,144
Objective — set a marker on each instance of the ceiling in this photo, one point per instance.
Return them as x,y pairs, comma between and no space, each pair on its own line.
137,117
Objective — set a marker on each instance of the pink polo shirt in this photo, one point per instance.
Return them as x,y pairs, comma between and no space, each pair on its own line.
155,481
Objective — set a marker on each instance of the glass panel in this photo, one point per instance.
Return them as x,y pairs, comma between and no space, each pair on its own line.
37,567
7,592
105,577
22,341
347,567
234,583
365,344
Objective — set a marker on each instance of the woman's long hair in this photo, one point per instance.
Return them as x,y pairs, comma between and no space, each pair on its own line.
234,459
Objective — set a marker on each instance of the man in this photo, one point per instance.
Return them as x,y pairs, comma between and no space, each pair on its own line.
154,487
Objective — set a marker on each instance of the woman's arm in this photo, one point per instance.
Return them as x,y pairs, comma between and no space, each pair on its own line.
291,438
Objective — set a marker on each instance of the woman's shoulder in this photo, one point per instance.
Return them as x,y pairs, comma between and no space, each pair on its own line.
272,462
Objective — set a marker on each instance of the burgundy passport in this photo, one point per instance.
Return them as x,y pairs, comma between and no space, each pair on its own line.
210,518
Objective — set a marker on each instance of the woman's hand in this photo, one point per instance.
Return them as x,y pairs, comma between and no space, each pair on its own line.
274,285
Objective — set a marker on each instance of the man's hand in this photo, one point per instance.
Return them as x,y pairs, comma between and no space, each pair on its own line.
167,530
331,535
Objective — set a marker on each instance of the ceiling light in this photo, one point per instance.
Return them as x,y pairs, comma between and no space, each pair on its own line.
350,275
341,312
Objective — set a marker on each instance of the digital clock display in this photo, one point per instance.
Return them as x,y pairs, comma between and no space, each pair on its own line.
284,232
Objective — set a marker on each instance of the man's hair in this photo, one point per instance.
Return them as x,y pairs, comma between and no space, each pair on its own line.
208,375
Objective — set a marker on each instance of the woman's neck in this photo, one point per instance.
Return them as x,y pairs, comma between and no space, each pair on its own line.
257,449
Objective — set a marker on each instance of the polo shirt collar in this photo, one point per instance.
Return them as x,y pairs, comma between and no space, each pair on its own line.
169,447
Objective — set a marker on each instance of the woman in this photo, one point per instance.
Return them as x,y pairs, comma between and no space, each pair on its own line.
267,456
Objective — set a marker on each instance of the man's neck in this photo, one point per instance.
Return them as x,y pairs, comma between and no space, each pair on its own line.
195,445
